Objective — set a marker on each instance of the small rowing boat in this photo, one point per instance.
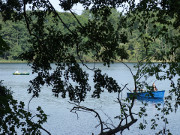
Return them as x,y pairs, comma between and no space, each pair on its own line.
24,73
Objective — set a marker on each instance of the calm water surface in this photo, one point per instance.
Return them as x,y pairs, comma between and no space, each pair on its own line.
62,122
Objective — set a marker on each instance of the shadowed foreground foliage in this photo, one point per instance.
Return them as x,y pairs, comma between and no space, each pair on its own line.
14,116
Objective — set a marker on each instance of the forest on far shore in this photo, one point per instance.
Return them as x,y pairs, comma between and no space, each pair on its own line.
15,34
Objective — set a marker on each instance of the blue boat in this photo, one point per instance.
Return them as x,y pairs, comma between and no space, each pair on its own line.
151,100
148,94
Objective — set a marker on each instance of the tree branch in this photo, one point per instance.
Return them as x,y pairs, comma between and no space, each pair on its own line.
119,128
76,18
80,108
26,20
56,14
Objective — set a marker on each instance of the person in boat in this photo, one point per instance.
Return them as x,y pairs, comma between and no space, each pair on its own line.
17,71
154,87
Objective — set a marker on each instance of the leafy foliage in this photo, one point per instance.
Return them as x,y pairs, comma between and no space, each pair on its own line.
14,116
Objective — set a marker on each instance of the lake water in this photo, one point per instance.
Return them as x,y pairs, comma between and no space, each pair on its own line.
62,122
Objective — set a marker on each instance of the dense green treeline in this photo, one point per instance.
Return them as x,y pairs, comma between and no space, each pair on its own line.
16,35
149,37
18,39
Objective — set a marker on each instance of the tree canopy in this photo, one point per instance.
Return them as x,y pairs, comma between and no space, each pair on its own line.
149,28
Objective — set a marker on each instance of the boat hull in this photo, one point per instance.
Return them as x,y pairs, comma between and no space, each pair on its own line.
20,73
148,95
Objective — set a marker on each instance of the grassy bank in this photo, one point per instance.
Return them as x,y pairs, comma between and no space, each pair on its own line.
12,61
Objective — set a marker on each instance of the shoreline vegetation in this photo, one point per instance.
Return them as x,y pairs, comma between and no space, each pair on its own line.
12,61
17,38
126,61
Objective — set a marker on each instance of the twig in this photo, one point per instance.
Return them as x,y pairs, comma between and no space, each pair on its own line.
77,52
30,101
108,119
128,68
45,130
